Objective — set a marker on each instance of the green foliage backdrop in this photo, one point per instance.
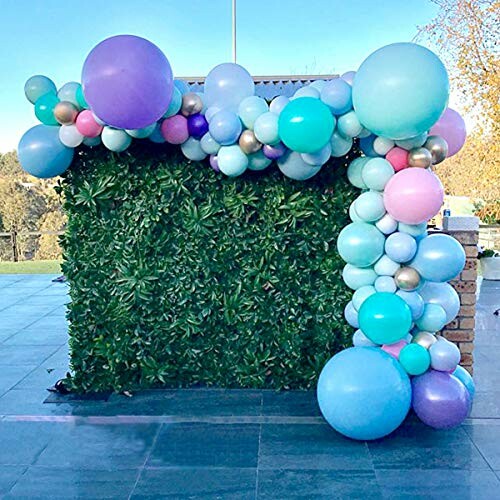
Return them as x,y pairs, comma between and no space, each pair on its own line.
182,277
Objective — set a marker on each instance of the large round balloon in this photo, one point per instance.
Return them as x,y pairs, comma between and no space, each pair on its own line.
440,399
41,152
360,244
439,257
127,81
227,85
305,125
413,195
400,90
364,393
451,127
385,318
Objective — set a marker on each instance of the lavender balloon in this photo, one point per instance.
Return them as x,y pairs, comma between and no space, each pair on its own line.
197,125
127,81
214,163
451,127
274,152
440,400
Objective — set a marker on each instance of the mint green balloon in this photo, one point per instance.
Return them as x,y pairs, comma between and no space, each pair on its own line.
370,206
80,98
385,318
305,125
356,277
360,244
376,173
44,109
355,171
415,359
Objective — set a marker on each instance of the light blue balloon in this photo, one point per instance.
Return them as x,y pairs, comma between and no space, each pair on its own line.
307,91
340,145
377,173
361,294
359,339
370,206
293,166
337,95
400,90
413,142
250,109
142,133
348,125
175,103
364,393
413,229
225,127
208,144
37,86
360,244
42,154
211,112
356,277
352,213
385,284
433,318
387,224
318,158
68,93
278,104
415,303
318,84
351,315
464,376
232,161
444,295
439,257
156,136
355,172
385,266
115,139
400,247
181,86
266,128
192,150
258,161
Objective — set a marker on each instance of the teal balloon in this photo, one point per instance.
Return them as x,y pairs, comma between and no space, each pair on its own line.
364,393
258,161
385,318
232,161
250,109
376,173
265,128
294,167
80,98
433,318
356,277
352,213
115,139
340,145
44,109
348,125
400,91
192,150
360,244
464,376
413,142
415,359
209,145
142,133
305,125
370,206
175,103
42,154
355,172
37,86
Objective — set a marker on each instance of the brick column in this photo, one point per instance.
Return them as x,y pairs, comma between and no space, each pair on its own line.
461,329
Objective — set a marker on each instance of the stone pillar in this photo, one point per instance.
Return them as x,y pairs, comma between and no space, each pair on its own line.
461,329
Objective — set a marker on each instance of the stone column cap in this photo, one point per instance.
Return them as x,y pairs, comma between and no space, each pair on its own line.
461,223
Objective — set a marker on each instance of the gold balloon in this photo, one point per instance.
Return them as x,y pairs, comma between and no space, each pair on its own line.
438,148
65,112
249,143
425,339
407,278
191,104
420,157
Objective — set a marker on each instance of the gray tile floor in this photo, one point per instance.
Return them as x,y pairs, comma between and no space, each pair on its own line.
218,443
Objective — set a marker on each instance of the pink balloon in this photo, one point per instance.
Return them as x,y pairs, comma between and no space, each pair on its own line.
394,349
86,124
175,129
451,127
413,195
398,158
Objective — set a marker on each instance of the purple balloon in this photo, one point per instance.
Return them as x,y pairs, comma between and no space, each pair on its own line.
440,399
451,127
197,126
274,152
214,163
127,82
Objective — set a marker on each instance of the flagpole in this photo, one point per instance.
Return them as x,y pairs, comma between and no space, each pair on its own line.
234,29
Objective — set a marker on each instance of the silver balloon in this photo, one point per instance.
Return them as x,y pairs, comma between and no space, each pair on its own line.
445,355
438,148
191,104
65,112
420,157
425,339
407,279
249,143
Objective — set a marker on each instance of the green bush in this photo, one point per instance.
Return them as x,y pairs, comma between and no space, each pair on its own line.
180,276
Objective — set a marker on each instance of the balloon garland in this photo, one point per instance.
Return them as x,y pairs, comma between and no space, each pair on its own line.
395,106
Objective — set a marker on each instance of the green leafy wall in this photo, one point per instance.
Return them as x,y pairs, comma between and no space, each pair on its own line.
180,276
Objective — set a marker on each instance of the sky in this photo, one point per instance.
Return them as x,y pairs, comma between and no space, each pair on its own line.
274,37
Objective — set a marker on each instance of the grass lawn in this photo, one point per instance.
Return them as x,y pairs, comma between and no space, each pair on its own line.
31,267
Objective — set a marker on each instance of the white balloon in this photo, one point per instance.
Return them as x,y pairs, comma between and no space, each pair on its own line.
69,136
385,266
278,103
192,150
382,146
387,224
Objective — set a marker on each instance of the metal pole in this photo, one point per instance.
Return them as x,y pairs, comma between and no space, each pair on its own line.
234,29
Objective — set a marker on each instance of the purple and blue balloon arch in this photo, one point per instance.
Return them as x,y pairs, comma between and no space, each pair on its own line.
396,105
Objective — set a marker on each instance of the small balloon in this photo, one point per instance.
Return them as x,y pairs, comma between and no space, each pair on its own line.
445,355
359,339
44,109
232,161
116,140
444,295
319,157
225,127
86,124
348,125
433,318
415,359
407,279
377,173
274,152
68,92
248,142
387,224
398,158
70,136
214,163
191,149
355,172
293,166
414,301
360,244
464,376
307,91
337,95
351,315
175,103
438,148
208,144
424,339
400,247
382,145
197,125
412,142
65,112
250,109
191,104
361,294
385,266
385,284
420,158
37,86
278,104
266,128
258,161
142,133
370,206
340,145
175,129
451,127
356,277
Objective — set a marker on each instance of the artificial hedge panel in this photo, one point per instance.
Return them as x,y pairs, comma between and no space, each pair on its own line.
180,276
